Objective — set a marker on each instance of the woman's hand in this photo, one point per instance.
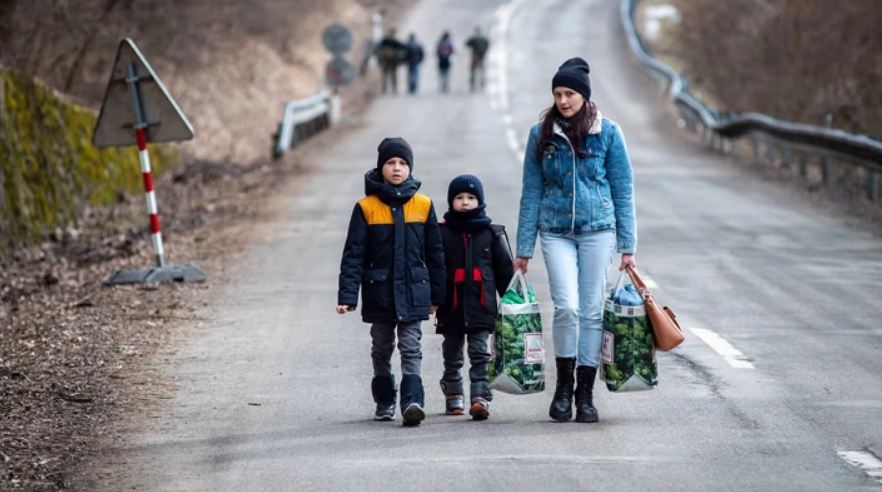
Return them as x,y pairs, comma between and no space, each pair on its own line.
520,263
628,261
343,309
433,309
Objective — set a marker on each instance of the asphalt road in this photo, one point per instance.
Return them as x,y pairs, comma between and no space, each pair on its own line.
781,303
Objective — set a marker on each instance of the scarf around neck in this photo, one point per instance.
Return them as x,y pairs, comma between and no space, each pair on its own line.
472,220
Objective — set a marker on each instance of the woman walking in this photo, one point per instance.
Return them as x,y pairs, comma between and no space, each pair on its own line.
578,196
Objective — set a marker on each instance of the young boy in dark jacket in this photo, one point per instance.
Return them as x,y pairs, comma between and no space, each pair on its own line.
479,265
394,254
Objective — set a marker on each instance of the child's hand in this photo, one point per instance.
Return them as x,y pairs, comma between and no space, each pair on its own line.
433,309
343,309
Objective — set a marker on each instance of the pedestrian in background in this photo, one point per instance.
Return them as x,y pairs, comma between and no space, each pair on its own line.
444,51
479,265
578,196
390,52
414,59
394,254
479,45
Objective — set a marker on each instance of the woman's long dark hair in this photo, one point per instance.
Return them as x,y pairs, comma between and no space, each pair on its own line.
580,125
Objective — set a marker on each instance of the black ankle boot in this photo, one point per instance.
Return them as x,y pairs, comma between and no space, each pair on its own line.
585,411
562,404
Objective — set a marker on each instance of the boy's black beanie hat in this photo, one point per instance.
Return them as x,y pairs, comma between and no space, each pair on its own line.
394,147
574,74
465,183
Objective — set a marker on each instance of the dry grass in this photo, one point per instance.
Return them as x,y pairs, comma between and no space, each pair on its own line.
799,60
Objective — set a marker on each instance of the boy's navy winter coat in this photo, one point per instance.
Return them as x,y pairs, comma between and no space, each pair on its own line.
393,253
479,265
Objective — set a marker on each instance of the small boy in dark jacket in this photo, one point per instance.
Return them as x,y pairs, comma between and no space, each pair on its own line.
479,265
394,254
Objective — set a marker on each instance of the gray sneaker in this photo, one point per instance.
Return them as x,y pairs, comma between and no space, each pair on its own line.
385,412
413,415
454,405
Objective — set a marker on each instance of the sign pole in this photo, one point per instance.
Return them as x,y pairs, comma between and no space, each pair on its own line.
144,157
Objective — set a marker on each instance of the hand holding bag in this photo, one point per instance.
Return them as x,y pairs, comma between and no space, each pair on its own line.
662,320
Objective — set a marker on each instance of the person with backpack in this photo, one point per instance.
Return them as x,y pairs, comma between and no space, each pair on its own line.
414,59
479,266
444,51
479,44
390,52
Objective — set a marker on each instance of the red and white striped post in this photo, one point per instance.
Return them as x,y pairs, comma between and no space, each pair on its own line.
152,210
144,157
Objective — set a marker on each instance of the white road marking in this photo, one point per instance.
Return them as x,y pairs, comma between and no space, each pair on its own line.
512,138
500,55
499,69
865,461
729,353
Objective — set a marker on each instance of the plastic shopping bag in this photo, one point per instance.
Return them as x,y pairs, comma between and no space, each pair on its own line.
627,354
518,364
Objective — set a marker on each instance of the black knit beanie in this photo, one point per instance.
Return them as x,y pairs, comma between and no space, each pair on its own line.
465,183
394,147
574,74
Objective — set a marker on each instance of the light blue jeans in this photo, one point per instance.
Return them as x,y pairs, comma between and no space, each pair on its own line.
577,267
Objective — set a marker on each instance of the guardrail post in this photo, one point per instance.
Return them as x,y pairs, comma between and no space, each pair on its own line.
770,152
336,110
872,185
825,170
803,164
754,141
785,158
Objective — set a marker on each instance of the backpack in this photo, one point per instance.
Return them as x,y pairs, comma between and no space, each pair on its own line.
445,48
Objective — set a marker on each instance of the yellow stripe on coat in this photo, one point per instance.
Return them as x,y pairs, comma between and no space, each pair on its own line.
376,212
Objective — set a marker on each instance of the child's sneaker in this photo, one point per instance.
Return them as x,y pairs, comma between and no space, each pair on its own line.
480,409
413,415
455,405
412,400
383,389
385,412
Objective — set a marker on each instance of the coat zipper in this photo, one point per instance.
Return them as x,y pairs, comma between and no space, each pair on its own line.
468,280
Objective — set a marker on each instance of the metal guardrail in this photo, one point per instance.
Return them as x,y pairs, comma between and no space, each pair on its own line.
783,139
302,119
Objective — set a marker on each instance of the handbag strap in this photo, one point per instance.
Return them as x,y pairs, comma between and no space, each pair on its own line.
637,280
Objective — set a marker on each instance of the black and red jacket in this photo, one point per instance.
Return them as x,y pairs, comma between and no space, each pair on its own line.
479,265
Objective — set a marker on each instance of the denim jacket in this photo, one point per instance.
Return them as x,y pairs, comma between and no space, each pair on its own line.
565,194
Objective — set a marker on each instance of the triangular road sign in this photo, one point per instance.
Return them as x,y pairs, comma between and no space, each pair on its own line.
164,120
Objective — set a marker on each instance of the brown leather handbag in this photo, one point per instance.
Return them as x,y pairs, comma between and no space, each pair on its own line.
665,329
